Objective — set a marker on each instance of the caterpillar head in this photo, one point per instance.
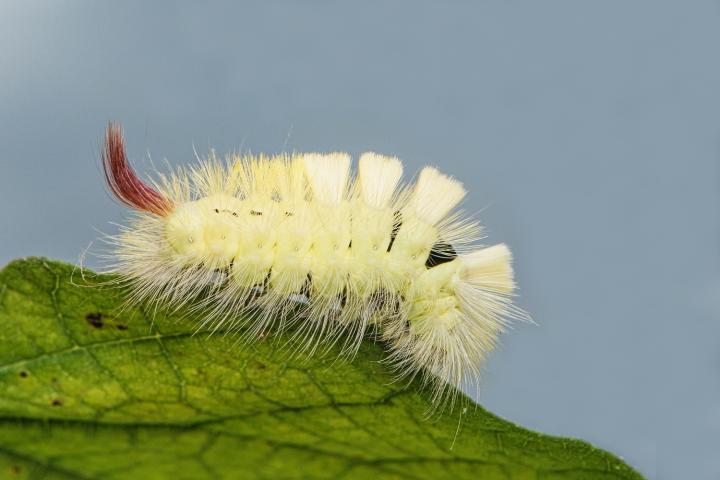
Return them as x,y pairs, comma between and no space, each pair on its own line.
185,230
201,231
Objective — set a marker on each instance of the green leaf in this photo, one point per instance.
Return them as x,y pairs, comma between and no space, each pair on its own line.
90,391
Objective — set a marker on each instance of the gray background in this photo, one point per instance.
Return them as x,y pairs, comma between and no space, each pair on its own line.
588,133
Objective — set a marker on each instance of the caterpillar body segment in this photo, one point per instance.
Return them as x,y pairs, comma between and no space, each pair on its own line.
455,312
247,240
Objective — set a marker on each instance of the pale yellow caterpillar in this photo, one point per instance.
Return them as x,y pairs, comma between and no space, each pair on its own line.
257,242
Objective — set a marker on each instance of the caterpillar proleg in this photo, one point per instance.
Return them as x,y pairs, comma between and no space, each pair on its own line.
249,239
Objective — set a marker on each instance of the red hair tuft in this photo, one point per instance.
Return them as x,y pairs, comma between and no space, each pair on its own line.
124,182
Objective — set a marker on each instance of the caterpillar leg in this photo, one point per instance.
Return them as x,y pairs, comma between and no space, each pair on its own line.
453,315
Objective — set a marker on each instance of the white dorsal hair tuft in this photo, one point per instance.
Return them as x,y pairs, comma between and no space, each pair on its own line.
328,175
378,176
490,267
435,195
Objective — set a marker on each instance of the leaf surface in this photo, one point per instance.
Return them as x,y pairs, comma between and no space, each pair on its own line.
91,391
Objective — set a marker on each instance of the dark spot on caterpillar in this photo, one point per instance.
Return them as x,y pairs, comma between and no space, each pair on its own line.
95,319
307,287
396,228
120,326
57,403
225,210
16,470
258,290
289,214
440,253
255,213
343,298
260,365
398,304
23,374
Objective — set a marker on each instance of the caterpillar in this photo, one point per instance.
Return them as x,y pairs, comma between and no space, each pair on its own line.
294,241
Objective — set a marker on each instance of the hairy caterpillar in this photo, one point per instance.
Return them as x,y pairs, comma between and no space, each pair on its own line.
248,239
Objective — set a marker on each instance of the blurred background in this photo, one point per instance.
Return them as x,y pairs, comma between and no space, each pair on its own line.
588,135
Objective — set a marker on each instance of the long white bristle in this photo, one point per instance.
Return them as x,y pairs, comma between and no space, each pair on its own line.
378,177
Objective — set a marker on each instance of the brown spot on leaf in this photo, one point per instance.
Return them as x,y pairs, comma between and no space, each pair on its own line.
57,403
16,469
95,319
120,326
23,374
